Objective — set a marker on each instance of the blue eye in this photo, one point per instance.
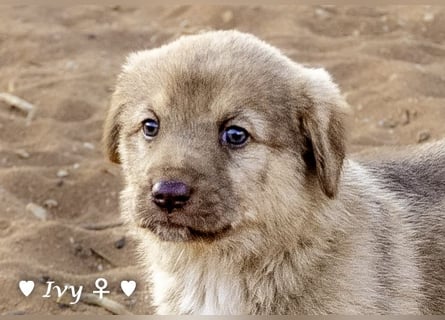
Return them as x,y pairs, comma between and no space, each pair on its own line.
150,128
234,136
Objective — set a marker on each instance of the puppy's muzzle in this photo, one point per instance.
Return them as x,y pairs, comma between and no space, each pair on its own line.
170,195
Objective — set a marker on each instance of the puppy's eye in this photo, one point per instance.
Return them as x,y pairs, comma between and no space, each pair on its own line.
234,136
150,128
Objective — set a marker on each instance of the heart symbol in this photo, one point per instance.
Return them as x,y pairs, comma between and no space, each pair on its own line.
128,287
26,287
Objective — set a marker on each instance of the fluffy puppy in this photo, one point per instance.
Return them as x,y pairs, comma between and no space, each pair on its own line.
238,190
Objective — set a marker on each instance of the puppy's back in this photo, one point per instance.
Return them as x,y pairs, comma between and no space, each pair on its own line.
415,173
417,176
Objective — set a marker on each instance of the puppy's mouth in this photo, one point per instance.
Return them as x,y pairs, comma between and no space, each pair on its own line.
169,231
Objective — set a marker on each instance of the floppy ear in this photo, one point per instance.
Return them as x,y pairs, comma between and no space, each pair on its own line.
111,132
322,124
112,126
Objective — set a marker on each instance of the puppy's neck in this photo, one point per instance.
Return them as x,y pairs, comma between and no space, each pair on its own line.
230,277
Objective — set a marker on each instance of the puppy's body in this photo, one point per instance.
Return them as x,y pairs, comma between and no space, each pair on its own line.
416,177
281,224
383,254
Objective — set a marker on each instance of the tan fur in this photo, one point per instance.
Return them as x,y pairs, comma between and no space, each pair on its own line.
283,225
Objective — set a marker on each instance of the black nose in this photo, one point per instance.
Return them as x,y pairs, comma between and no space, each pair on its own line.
170,194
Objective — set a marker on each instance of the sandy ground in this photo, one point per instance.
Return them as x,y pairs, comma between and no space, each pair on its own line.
388,61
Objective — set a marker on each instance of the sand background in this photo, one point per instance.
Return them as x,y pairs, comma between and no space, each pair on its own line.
388,61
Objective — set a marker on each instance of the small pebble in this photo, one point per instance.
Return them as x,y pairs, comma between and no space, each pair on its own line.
405,118
227,16
76,166
388,123
60,183
184,23
88,145
119,244
423,136
50,203
62,173
14,313
153,39
428,17
37,211
22,153
71,65
100,267
322,13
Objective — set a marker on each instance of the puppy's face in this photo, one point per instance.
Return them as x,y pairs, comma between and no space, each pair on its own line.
214,130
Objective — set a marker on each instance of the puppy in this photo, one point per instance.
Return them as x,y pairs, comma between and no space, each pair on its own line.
239,192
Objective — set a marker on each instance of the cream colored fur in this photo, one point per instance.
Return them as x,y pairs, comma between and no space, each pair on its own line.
311,233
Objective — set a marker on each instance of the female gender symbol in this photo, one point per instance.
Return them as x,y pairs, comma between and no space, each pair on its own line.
101,284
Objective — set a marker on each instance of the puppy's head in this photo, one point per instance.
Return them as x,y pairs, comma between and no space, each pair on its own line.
219,131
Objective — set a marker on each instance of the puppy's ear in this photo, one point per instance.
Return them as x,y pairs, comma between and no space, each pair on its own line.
111,132
112,127
322,123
